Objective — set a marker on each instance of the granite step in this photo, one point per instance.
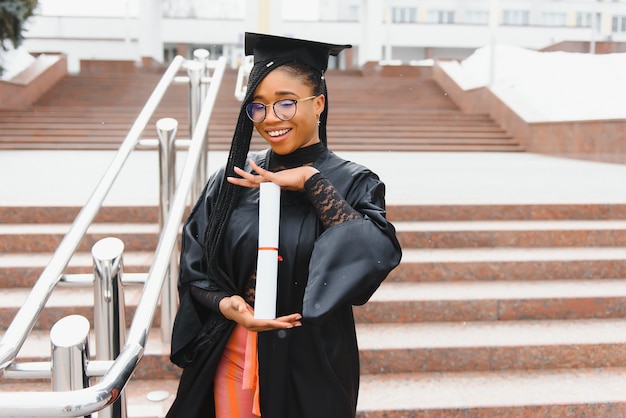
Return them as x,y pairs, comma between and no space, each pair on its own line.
400,302
440,347
594,392
489,345
67,214
410,302
489,234
40,237
417,265
506,212
23,269
66,301
396,213
480,264
155,363
509,394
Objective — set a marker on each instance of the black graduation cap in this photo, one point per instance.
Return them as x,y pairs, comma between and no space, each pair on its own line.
266,47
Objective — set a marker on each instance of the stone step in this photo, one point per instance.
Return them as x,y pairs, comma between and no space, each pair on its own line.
417,265
505,394
67,214
506,212
23,269
489,346
155,363
96,120
47,237
484,264
223,144
439,347
400,302
66,301
396,213
412,302
90,113
481,234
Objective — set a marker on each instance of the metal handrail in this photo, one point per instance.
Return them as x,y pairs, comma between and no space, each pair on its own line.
26,317
86,401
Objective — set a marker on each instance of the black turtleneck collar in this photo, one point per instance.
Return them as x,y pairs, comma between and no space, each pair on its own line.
302,156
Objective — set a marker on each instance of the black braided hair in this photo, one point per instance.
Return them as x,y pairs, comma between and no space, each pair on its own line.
240,146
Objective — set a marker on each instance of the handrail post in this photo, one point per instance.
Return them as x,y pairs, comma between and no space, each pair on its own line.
202,56
25,319
109,316
195,70
110,387
166,131
69,340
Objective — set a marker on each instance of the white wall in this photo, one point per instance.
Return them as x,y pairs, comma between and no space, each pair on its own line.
112,30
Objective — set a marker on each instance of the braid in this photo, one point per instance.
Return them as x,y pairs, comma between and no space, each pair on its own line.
229,193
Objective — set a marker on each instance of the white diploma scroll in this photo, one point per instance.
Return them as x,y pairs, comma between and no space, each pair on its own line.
267,261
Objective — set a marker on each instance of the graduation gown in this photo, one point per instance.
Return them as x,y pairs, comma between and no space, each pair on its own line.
310,371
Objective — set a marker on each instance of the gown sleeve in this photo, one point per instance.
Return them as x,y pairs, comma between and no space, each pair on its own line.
350,259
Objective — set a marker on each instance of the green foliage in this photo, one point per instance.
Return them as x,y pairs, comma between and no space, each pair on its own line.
13,17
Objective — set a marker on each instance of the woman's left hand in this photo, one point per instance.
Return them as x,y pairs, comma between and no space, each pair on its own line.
291,179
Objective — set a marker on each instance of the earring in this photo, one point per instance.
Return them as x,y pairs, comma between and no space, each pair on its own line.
318,120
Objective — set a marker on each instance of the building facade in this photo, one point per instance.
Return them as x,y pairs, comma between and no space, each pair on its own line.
393,31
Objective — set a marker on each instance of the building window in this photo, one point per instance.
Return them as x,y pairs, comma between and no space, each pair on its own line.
403,14
515,17
585,19
553,19
353,13
619,24
441,16
477,17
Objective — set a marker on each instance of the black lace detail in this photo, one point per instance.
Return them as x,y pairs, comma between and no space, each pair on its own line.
207,298
211,298
331,207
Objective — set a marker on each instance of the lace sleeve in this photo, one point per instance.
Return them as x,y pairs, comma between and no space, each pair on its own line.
208,298
211,299
331,207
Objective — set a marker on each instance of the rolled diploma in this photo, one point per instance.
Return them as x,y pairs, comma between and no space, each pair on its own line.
267,261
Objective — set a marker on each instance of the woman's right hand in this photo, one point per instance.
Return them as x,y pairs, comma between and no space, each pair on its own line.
236,309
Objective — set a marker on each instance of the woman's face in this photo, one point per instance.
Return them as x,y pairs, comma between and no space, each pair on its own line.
286,136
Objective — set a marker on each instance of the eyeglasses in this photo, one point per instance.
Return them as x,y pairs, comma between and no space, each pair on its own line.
284,109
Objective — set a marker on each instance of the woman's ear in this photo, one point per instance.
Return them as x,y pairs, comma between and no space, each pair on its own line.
319,103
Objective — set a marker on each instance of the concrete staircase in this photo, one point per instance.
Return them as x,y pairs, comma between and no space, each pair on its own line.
95,110
495,310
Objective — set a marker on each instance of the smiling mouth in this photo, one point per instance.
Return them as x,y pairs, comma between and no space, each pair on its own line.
280,132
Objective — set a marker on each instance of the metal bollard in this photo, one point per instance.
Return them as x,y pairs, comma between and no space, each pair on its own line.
70,353
194,71
109,316
166,131
202,56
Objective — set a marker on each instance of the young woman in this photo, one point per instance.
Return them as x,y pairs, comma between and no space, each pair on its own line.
335,248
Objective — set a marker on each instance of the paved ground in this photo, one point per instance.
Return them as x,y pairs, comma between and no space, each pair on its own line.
68,177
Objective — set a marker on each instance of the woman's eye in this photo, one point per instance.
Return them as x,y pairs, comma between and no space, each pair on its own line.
285,104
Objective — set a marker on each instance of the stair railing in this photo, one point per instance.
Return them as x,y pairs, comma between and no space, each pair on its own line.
117,373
